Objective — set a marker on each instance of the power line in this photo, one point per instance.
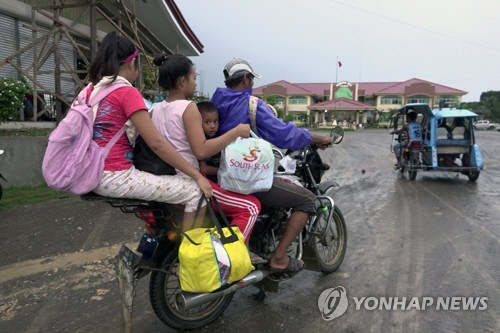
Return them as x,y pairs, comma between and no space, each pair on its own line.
414,26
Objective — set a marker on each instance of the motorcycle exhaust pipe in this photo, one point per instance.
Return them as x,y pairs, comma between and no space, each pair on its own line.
186,300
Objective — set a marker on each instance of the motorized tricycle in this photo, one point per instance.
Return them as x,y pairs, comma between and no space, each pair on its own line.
448,141
322,246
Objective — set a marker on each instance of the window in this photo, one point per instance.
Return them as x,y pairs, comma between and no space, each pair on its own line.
446,99
275,100
298,100
418,99
391,100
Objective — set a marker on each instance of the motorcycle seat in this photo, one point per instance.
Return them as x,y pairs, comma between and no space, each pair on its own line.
91,196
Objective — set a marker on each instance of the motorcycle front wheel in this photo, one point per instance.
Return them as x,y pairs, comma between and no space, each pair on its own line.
330,248
164,285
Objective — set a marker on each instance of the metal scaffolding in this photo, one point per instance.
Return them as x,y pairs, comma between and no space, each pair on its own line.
122,19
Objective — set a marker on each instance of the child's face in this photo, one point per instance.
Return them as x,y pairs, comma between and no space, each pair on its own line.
210,123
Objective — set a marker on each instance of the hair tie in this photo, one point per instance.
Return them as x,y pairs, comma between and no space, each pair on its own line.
131,57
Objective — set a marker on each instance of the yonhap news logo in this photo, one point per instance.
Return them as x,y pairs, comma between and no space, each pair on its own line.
333,303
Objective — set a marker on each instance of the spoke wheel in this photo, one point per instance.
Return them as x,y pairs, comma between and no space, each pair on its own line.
164,286
330,248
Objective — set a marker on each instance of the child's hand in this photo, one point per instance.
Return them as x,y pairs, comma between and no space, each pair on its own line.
205,186
243,130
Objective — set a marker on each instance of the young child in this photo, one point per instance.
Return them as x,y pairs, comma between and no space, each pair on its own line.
243,209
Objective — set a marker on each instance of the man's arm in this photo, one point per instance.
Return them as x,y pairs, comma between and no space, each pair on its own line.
282,135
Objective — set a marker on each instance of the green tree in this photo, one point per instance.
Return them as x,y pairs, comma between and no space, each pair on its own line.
490,100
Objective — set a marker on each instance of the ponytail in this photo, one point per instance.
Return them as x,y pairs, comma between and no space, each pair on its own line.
110,56
171,67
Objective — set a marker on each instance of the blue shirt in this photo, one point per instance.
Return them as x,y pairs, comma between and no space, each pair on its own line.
414,131
233,110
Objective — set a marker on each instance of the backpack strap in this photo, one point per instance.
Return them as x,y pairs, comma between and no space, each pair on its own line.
105,92
252,112
114,139
96,100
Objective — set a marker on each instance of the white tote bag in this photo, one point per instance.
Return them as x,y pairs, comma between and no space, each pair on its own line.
247,166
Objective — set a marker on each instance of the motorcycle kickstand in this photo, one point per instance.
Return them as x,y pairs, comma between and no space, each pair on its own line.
126,263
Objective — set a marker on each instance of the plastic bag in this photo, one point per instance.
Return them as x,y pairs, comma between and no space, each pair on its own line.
247,166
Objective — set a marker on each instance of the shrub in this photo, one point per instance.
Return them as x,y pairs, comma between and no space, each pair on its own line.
12,92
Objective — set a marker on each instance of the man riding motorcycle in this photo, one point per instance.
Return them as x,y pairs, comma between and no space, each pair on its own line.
413,131
232,103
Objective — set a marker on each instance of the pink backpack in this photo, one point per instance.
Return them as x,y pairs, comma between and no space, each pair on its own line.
73,161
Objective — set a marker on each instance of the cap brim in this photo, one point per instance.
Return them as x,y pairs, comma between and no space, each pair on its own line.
258,76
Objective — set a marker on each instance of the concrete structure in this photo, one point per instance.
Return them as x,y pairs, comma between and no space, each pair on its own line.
21,164
365,102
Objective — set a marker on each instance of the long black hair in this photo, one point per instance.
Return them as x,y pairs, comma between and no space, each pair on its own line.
110,56
171,67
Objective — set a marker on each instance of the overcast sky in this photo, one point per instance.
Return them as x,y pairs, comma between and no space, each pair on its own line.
451,42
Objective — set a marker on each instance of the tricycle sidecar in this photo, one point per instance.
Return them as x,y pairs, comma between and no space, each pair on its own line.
448,140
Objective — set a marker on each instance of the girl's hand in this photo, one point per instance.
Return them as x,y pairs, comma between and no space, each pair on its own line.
205,186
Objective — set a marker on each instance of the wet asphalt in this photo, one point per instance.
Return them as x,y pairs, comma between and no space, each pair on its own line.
438,236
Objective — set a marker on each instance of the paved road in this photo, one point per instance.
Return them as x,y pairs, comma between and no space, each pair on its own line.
437,236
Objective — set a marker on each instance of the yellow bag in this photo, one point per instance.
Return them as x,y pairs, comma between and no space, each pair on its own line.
210,258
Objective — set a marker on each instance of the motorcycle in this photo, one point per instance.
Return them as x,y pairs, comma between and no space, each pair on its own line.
1,177
410,157
321,244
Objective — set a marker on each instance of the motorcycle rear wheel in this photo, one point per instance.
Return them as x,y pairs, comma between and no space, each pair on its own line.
330,250
164,285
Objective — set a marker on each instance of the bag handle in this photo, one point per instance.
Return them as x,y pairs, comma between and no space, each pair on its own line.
224,239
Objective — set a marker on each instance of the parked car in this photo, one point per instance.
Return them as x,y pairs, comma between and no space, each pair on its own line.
486,125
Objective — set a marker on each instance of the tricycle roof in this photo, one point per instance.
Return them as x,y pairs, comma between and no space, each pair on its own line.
453,113
438,113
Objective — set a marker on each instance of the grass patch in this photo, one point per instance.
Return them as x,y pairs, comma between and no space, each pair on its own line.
18,196
26,132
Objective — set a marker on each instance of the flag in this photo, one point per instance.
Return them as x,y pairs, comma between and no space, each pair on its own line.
340,64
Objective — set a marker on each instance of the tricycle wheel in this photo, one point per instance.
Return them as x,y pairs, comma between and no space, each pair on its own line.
412,174
473,175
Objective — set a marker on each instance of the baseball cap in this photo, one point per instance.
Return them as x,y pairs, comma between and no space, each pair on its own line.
237,66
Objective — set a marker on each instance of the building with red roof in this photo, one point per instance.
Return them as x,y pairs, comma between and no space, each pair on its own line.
360,102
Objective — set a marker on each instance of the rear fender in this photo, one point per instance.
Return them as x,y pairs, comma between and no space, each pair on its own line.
325,186
476,159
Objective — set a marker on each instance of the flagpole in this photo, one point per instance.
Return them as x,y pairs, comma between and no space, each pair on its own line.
337,70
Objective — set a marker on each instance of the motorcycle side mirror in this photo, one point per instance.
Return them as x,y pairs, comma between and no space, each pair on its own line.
337,134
